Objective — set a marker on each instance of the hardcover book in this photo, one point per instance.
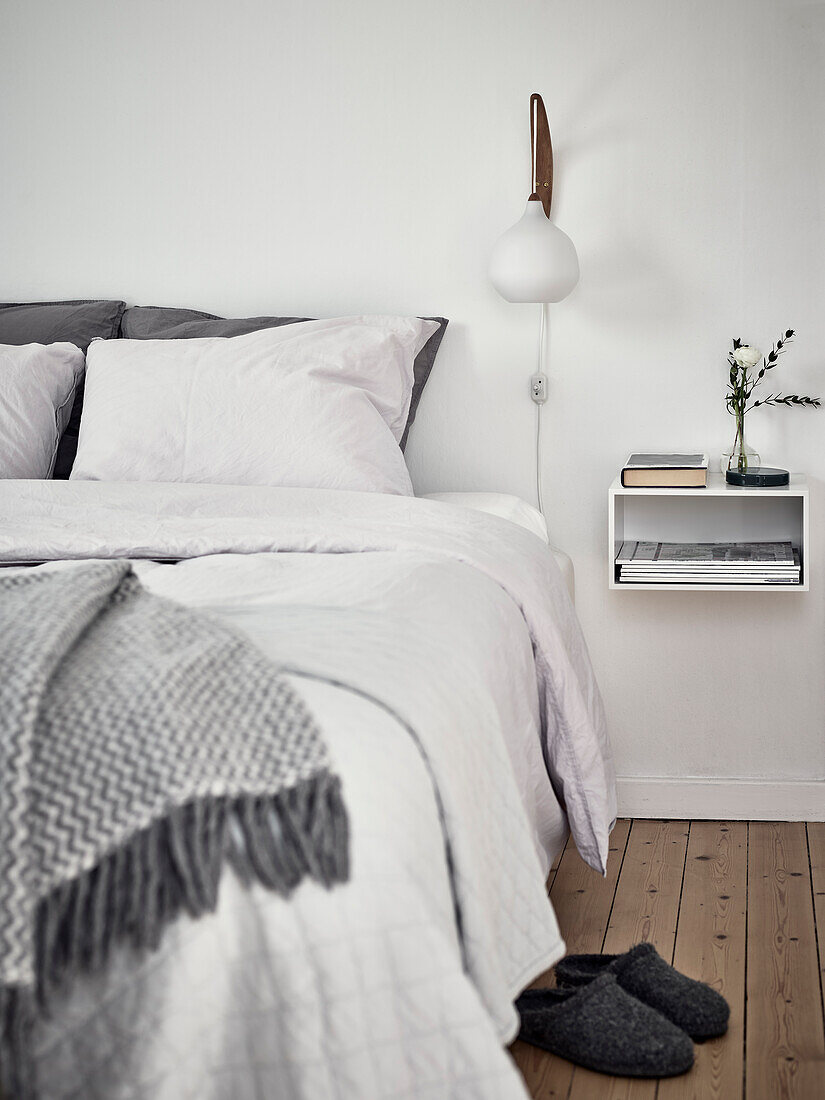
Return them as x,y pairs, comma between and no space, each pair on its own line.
665,471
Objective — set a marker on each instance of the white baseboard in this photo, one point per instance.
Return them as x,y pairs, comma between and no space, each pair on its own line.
721,799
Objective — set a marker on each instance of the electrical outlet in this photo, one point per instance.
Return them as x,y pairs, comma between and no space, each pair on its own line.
538,388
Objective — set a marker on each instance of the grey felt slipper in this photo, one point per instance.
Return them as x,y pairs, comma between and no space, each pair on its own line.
601,1027
693,1006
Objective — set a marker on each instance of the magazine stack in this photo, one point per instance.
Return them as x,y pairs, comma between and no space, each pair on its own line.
708,563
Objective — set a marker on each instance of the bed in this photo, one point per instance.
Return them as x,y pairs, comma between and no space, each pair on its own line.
438,649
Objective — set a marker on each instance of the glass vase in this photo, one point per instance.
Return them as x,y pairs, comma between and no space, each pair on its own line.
741,457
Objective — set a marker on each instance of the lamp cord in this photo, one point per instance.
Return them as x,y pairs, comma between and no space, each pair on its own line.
542,329
538,414
538,459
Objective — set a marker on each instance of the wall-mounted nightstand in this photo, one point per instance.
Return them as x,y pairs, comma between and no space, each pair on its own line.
719,513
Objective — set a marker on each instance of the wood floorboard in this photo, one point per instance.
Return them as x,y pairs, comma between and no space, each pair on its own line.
816,858
557,860
734,904
784,1039
551,874
710,946
646,908
582,901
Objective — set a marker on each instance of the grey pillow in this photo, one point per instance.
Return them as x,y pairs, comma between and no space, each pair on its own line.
160,323
75,322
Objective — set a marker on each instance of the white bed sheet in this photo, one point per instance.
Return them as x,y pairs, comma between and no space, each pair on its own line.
51,520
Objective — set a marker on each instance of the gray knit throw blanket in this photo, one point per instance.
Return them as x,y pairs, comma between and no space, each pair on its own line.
142,745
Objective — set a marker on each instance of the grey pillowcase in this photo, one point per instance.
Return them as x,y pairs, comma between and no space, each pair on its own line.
160,323
74,322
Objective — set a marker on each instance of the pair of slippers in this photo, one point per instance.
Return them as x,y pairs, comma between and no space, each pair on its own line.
630,1015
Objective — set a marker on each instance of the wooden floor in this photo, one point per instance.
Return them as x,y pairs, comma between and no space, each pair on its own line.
736,904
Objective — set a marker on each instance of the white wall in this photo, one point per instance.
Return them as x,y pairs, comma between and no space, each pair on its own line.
327,157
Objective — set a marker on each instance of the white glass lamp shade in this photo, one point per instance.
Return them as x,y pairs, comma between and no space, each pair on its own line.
534,261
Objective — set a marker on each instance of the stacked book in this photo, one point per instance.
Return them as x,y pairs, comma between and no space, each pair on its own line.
665,471
708,563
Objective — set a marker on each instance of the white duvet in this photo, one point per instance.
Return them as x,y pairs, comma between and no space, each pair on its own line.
459,665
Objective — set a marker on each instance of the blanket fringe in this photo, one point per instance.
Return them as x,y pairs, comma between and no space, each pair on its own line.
17,1016
175,864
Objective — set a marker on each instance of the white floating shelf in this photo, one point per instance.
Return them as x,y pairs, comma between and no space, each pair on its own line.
718,513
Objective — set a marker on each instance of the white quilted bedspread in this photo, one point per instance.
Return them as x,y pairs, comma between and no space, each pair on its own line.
421,671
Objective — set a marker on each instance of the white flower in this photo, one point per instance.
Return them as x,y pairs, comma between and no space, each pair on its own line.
747,356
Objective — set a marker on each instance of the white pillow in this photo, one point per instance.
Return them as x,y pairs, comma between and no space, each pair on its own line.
518,511
318,404
498,504
37,386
